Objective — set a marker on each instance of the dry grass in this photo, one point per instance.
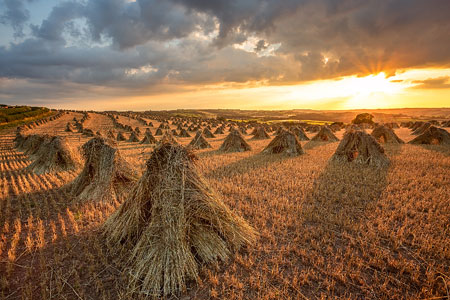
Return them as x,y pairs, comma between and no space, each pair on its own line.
327,231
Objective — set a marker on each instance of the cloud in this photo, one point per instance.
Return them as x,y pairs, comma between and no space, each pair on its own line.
261,45
59,19
249,16
129,24
432,83
16,15
135,45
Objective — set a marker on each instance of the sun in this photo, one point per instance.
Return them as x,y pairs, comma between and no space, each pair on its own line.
372,91
371,84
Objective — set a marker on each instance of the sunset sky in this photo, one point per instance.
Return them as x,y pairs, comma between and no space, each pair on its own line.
248,54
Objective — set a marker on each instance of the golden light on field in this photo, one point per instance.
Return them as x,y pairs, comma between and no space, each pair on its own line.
338,221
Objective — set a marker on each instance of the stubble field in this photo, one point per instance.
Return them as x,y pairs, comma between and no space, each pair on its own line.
326,230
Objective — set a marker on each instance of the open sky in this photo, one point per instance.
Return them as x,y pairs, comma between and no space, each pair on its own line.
248,54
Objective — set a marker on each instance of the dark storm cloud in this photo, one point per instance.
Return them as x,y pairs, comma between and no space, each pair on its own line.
53,27
433,83
136,44
367,36
15,14
135,23
247,15
38,59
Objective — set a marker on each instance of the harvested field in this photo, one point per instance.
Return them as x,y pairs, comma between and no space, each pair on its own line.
344,231
235,150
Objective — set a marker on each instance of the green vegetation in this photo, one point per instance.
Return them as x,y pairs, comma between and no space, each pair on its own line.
11,116
187,115
316,122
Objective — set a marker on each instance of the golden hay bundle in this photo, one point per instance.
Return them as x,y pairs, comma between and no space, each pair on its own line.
79,127
313,128
279,130
120,137
19,140
168,138
133,138
171,222
55,155
360,147
260,134
106,176
336,127
110,134
354,127
208,134
325,135
416,125
433,136
184,133
88,132
219,130
69,127
234,142
199,142
32,143
284,143
300,133
148,138
421,129
385,134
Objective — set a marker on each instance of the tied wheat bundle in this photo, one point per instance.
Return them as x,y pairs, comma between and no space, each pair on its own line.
284,143
325,135
260,134
106,176
170,222
433,136
55,155
385,134
360,147
199,142
148,138
234,142
300,133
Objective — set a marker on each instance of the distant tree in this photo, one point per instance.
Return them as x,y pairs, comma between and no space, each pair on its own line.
363,118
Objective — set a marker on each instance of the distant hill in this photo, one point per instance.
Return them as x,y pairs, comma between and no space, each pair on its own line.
380,115
11,116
